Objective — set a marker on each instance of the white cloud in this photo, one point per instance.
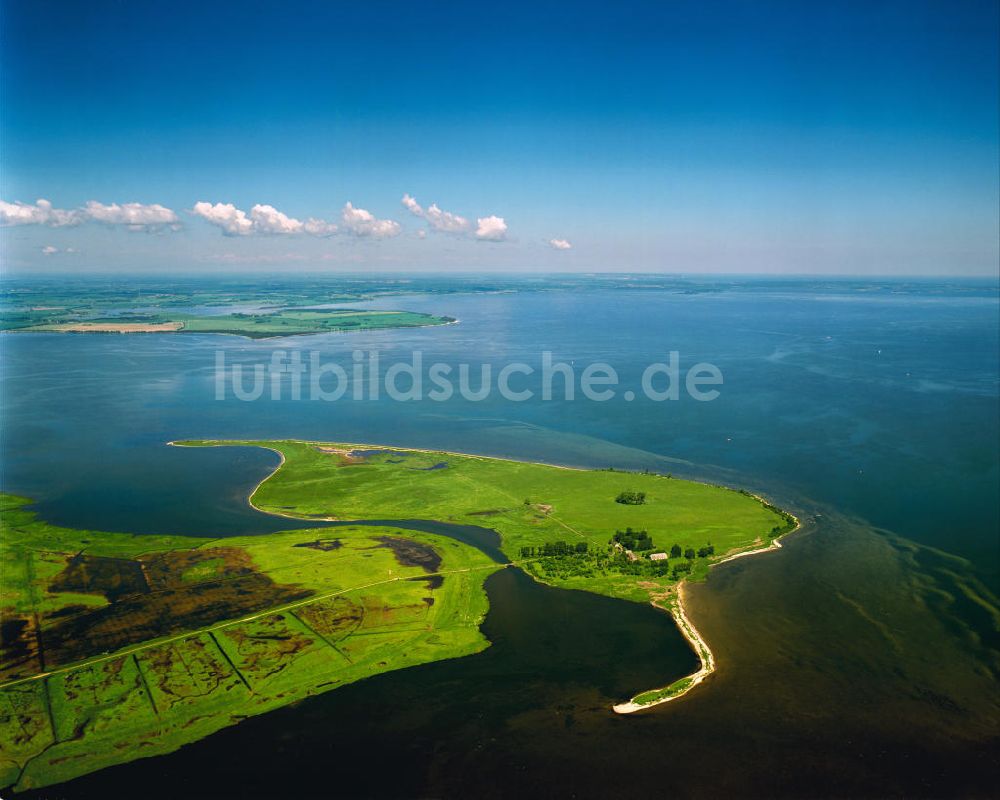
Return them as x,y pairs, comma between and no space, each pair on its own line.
263,219
50,250
267,219
560,244
421,234
445,220
233,221
437,218
319,227
491,229
135,216
412,205
39,213
363,223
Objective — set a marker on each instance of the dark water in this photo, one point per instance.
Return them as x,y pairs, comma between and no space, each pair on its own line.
485,539
557,660
859,660
530,716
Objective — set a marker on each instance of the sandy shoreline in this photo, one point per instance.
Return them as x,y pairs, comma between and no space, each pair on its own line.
348,446
695,639
179,327
262,481
677,611
113,327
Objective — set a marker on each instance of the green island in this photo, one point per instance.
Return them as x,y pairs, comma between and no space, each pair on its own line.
117,647
54,302
262,324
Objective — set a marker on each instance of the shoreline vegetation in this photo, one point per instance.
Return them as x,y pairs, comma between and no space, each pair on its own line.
241,308
270,324
118,646
673,603
706,658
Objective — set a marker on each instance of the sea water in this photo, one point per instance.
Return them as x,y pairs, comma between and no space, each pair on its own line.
858,659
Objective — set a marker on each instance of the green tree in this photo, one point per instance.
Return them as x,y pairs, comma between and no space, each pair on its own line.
631,498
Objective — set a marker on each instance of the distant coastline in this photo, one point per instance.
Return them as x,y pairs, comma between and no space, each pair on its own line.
272,325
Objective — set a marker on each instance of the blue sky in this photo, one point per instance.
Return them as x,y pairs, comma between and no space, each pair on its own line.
680,137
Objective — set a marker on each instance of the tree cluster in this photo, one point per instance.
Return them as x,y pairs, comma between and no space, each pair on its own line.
690,553
555,549
630,498
564,560
634,540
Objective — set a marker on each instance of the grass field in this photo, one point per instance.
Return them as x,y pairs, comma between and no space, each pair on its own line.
117,647
530,505
60,302
264,324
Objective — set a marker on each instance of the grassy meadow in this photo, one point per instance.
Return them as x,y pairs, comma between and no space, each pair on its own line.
529,505
118,647
258,325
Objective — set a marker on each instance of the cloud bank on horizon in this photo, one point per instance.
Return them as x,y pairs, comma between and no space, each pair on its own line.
262,219
52,250
487,229
672,137
133,216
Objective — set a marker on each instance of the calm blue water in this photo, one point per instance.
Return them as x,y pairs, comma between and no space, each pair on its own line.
853,662
881,402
